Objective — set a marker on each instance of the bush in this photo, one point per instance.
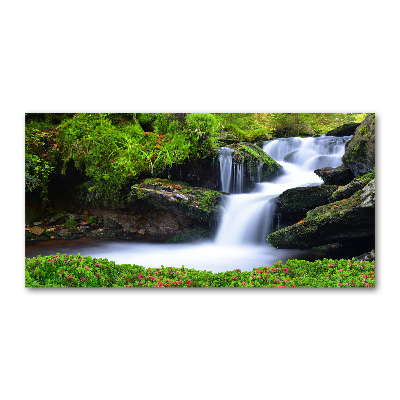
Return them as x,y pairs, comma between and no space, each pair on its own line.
79,271
70,223
113,155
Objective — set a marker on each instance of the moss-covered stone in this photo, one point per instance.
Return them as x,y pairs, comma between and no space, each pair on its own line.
359,154
294,203
343,220
344,130
335,176
251,157
201,204
344,192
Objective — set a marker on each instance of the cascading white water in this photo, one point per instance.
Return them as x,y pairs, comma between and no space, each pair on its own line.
247,218
238,181
225,162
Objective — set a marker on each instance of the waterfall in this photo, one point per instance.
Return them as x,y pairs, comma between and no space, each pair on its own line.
238,182
247,218
225,162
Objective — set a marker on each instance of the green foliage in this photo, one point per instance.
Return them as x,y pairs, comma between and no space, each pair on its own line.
70,223
112,155
308,124
146,121
40,153
247,127
79,271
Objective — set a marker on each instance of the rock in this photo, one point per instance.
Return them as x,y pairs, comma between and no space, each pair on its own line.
62,233
344,130
227,138
290,157
256,164
343,192
369,256
340,221
73,216
33,213
37,230
335,176
56,219
359,154
294,203
198,203
112,224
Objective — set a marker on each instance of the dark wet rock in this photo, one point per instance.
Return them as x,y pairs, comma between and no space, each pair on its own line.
340,221
111,224
335,176
359,154
62,232
344,192
294,203
33,213
344,130
56,219
74,216
369,256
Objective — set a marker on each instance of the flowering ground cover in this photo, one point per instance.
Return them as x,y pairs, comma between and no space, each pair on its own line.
81,271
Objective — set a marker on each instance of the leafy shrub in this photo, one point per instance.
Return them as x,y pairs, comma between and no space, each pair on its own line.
70,223
113,155
79,271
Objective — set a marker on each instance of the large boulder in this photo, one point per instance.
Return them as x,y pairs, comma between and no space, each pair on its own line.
344,192
359,154
337,222
344,130
256,164
294,203
198,203
335,176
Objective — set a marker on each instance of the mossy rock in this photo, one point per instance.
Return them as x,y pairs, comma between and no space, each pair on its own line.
359,154
344,130
355,185
344,220
335,176
294,203
251,156
290,157
201,204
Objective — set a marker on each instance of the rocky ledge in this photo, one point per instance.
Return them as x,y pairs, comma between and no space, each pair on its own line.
198,203
339,221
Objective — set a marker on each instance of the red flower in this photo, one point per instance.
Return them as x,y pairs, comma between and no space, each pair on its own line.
83,279
188,283
286,270
140,276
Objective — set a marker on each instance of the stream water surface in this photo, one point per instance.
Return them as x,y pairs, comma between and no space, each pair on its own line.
245,224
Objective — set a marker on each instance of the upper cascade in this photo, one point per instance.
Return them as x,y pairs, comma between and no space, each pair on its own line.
309,153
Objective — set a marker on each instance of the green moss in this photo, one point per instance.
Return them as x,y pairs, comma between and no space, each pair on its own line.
71,223
200,203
